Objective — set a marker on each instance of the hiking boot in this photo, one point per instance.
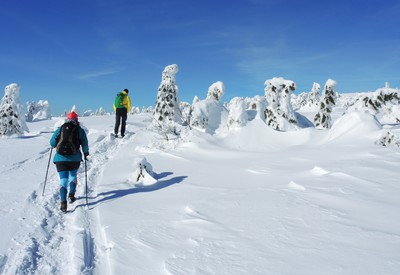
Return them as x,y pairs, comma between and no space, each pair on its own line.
71,198
63,207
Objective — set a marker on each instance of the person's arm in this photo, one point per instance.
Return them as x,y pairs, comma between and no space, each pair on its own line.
129,104
84,142
53,140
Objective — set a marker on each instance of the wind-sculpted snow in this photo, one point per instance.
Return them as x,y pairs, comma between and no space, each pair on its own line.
246,201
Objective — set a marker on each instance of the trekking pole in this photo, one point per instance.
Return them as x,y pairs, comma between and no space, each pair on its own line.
47,171
86,181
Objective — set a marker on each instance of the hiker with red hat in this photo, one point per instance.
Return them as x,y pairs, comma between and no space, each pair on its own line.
67,140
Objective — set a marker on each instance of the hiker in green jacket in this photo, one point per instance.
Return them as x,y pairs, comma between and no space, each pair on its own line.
122,105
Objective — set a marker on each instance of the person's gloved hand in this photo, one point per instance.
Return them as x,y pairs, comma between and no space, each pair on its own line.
86,155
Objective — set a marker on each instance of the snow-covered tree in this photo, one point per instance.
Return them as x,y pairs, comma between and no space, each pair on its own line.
322,119
38,110
75,109
216,91
88,113
167,105
257,104
309,100
12,119
100,112
279,113
209,114
237,113
314,97
135,110
389,139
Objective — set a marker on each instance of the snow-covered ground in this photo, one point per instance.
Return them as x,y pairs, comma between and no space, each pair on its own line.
251,201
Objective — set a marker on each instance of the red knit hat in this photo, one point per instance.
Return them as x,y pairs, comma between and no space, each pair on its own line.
72,115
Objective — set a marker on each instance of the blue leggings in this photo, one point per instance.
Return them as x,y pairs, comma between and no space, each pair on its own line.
65,178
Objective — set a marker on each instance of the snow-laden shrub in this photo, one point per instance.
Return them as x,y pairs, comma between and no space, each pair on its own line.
100,112
167,105
88,113
216,91
256,106
38,111
389,139
186,110
134,110
308,100
279,113
208,115
148,109
322,119
237,113
143,174
12,119
383,101
75,109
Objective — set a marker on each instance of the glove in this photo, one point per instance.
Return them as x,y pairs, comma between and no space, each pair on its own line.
86,154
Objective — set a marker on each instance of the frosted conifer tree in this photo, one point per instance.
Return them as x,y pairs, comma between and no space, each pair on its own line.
38,110
314,97
12,119
167,105
209,114
279,113
237,113
216,91
75,109
100,112
322,119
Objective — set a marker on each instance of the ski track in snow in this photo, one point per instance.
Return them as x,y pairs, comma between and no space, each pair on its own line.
75,237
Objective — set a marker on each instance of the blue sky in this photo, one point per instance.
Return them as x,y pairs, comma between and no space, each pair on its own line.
85,51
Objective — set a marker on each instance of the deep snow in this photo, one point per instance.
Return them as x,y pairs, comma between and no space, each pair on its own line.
249,201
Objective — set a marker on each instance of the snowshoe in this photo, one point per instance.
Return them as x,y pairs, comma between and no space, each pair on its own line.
63,207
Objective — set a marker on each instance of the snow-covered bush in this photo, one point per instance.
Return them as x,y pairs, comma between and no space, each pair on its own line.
147,109
186,110
209,114
322,119
88,113
134,110
309,100
279,113
143,174
314,97
167,110
38,111
237,113
216,91
256,106
12,119
74,109
384,101
389,139
100,112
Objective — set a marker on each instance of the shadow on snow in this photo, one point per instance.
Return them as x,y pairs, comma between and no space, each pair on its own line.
119,193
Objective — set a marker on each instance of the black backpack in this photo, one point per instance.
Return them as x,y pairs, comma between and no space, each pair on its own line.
68,140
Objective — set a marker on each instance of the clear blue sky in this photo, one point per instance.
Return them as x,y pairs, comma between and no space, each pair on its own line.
85,51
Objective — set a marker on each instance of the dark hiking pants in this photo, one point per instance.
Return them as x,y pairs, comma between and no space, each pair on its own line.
121,114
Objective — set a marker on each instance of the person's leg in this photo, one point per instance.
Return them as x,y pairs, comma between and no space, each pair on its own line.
73,181
117,121
124,117
63,185
63,189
